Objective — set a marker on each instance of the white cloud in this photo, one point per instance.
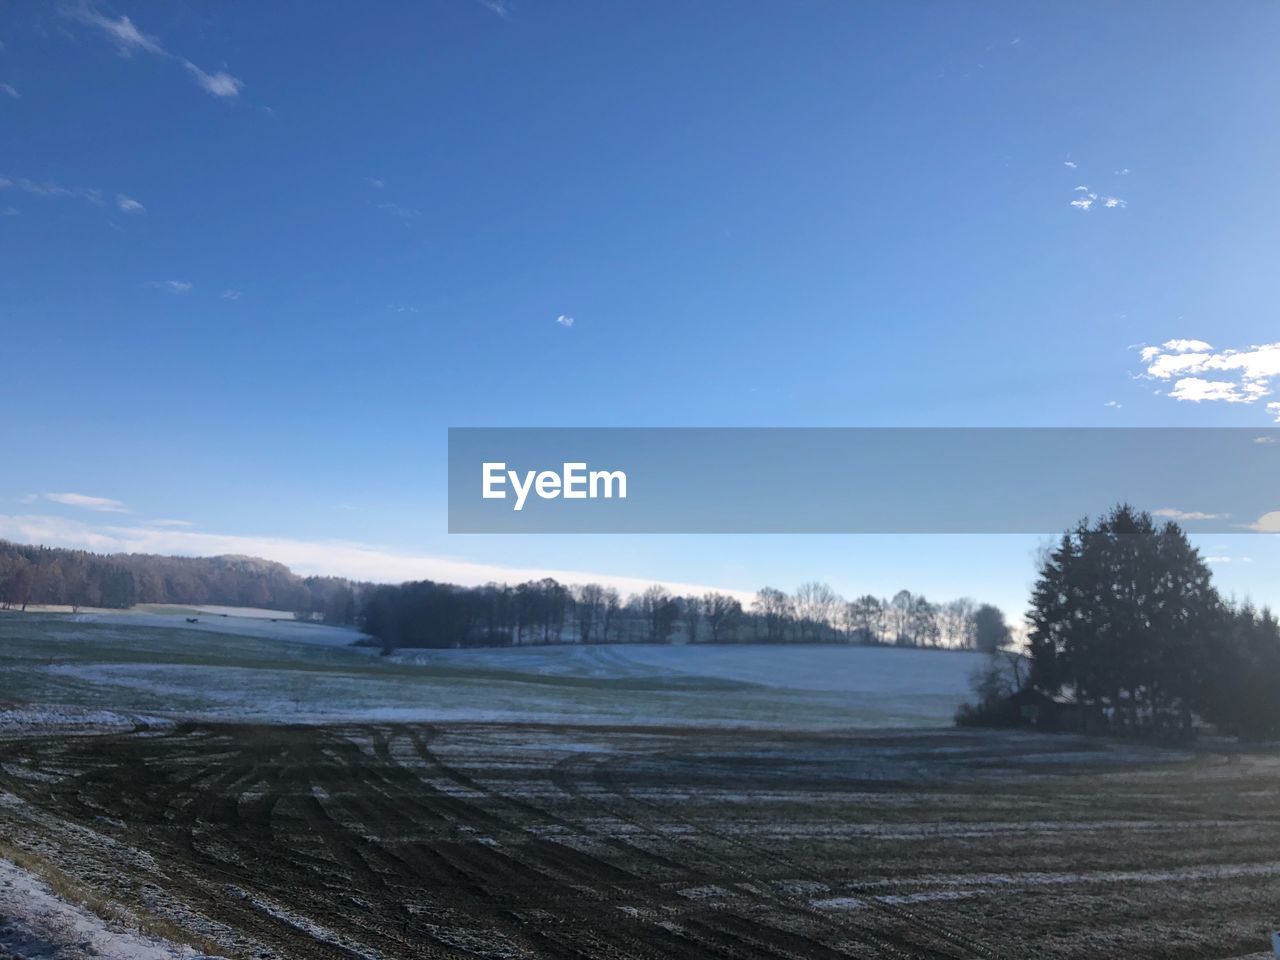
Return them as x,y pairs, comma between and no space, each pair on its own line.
169,523
1114,404
10,212
1197,390
375,182
1123,172
129,40
334,558
1238,376
1184,346
1169,513
1069,163
1267,523
176,287
7,90
1264,439
128,204
564,320
104,504
1089,198
220,84
232,294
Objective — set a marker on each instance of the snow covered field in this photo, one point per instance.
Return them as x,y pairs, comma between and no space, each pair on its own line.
251,668
37,924
877,671
238,621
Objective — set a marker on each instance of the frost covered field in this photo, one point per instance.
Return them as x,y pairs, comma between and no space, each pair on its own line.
244,788
257,669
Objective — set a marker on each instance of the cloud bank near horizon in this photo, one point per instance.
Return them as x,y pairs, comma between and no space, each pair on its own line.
338,558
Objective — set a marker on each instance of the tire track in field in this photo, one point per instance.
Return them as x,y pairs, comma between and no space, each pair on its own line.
747,930
886,943
607,780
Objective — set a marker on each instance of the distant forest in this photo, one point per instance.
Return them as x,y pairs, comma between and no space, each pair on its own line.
47,575
429,614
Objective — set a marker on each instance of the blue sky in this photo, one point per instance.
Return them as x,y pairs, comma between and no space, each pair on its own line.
257,258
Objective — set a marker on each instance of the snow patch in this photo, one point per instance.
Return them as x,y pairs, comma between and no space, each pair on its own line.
33,718
39,925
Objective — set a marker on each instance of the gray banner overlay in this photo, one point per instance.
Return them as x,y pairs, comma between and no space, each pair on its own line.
856,480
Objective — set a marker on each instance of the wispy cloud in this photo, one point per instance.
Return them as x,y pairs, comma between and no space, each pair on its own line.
168,523
51,190
1170,513
232,294
1069,163
1114,404
500,7
102,504
176,287
8,90
1202,374
564,320
129,40
402,213
376,182
1264,439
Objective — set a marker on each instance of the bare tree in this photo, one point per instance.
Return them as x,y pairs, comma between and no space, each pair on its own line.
660,612
923,629
815,608
722,612
691,610
899,611
867,615
956,622
610,604
590,603
775,612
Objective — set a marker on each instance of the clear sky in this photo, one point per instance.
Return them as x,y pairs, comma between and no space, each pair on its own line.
256,258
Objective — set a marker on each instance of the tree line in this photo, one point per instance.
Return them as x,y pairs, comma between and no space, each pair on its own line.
429,614
1128,635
